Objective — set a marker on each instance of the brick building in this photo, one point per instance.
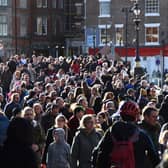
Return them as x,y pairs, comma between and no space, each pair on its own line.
32,25
111,21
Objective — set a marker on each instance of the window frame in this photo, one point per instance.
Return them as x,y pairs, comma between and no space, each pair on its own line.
152,25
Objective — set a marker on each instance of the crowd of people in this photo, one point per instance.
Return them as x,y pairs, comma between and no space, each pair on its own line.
68,112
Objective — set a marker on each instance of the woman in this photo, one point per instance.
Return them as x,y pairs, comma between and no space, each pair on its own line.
84,142
38,110
60,122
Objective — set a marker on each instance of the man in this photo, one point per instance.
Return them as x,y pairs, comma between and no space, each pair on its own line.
14,103
74,121
48,119
150,124
123,132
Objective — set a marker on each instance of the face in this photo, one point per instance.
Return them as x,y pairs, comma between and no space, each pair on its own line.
152,118
29,115
90,124
100,119
60,123
16,98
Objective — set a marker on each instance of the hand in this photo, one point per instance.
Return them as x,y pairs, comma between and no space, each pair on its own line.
42,166
35,147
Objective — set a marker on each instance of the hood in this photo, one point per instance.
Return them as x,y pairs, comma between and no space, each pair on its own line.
61,134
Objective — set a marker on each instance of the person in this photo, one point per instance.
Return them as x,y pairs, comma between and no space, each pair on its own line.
84,142
38,136
143,147
17,150
48,118
3,128
58,155
150,124
74,121
60,122
14,103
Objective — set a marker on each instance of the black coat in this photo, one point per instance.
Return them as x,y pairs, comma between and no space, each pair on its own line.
123,131
18,156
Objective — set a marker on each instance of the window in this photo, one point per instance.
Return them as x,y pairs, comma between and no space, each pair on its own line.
3,26
41,25
41,3
23,3
104,7
119,34
54,3
104,34
152,34
78,8
3,2
60,4
23,26
152,7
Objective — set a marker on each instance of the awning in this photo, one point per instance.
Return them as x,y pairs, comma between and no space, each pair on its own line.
143,51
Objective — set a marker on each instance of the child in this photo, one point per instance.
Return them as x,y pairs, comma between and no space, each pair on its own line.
59,151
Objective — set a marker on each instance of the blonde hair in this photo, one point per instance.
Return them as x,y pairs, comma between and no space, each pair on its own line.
163,138
26,109
85,119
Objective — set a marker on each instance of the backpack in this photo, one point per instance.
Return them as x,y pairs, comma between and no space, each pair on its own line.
122,155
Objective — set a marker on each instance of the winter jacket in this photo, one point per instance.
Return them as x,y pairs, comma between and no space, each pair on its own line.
123,131
82,146
59,152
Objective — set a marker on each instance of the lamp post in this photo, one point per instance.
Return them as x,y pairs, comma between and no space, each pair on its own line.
138,71
15,15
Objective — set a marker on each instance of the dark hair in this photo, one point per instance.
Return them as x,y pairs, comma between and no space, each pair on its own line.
78,109
148,110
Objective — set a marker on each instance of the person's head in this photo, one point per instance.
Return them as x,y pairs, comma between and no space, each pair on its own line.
60,102
28,113
83,101
150,115
102,117
15,97
129,111
79,112
60,121
16,112
59,135
55,109
87,122
108,95
37,108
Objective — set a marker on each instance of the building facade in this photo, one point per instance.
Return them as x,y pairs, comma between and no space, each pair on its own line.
74,26
32,26
111,22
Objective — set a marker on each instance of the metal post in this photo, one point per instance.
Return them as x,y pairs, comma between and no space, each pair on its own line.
137,59
126,36
106,35
15,28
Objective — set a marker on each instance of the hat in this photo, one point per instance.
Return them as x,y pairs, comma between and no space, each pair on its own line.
129,109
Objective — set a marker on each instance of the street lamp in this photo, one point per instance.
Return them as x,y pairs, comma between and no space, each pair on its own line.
138,71
63,50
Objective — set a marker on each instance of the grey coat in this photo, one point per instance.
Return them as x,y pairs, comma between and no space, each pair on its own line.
82,147
59,153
